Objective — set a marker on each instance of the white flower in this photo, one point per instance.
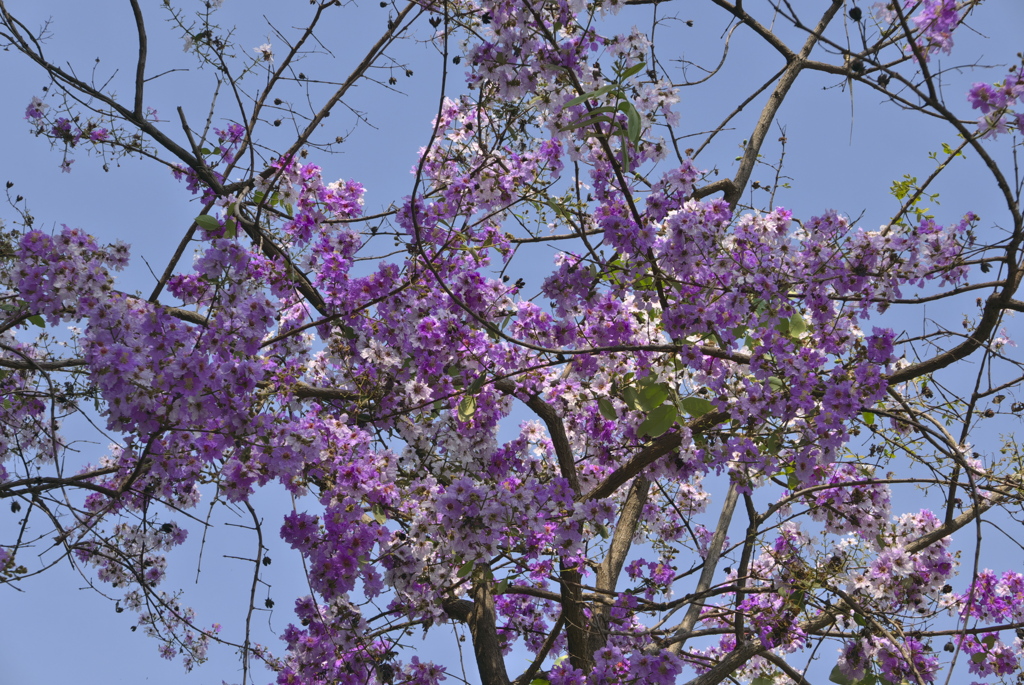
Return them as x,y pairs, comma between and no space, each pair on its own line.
418,391
601,384
265,52
377,352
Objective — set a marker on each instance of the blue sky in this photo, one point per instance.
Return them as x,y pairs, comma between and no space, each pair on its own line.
57,632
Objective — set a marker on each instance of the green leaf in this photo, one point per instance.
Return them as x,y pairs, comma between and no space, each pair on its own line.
477,383
378,514
540,681
635,69
869,418
467,407
949,150
648,380
466,569
658,421
37,320
501,588
797,325
589,96
776,383
653,396
979,657
602,119
604,109
230,228
837,676
696,406
558,209
763,680
860,620
607,409
633,123
629,394
207,222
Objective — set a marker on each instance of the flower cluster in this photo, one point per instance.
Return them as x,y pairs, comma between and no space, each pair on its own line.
65,276
996,101
894,662
855,502
66,131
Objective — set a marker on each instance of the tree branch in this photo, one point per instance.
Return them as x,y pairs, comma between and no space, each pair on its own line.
483,627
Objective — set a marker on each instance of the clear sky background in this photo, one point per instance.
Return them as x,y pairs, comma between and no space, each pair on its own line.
55,631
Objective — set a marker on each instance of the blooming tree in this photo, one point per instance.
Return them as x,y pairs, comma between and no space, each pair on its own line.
674,458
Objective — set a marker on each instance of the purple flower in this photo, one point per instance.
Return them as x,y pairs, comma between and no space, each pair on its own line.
35,109
880,345
985,97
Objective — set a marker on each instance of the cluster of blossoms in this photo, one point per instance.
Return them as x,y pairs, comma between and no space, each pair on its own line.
998,600
63,131
65,277
995,102
128,559
136,543
228,141
25,428
785,584
935,21
895,662
785,287
902,579
854,503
